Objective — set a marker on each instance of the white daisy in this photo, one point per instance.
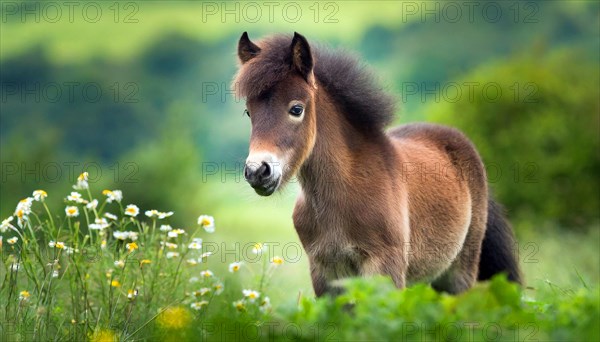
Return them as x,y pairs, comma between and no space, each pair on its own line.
72,211
133,236
204,256
251,295
162,215
152,213
92,205
198,305
239,305
111,216
23,210
207,222
99,224
218,287
7,224
39,195
75,197
114,195
265,305
195,245
206,274
171,255
132,210
258,248
234,267
82,182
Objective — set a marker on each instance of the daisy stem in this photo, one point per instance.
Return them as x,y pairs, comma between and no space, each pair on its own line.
52,226
262,277
91,199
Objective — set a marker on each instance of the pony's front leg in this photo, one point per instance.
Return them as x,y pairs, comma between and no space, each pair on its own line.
394,263
318,280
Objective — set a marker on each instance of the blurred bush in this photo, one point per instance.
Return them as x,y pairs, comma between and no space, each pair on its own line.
538,135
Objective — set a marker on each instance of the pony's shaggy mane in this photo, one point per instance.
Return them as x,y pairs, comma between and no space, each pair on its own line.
346,80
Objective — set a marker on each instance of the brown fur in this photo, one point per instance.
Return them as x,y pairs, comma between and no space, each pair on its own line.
410,203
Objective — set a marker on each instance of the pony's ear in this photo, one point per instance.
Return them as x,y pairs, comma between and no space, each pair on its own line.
302,58
247,49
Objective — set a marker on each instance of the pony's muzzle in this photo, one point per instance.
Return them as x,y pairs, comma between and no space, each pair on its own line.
263,173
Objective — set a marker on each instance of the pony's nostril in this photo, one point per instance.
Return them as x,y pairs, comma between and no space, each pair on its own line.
266,172
247,173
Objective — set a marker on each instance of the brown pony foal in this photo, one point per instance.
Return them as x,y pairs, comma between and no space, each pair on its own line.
411,203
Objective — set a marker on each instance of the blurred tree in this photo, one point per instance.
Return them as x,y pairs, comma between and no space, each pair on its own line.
539,135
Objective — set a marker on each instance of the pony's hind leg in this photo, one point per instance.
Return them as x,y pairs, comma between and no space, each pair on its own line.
462,274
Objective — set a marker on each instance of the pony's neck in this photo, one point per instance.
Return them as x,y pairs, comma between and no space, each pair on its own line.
344,159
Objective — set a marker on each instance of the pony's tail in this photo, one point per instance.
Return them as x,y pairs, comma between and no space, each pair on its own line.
497,251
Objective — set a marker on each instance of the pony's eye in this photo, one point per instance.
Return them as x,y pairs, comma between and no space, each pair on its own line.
246,112
297,110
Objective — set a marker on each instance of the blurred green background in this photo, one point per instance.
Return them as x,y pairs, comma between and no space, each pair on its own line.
138,95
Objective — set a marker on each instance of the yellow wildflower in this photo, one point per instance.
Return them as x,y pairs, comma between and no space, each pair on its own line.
131,246
24,295
104,335
277,260
174,318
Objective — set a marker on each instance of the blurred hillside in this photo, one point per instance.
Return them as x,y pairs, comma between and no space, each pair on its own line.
149,101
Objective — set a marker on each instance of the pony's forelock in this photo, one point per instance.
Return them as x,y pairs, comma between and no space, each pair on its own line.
345,79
